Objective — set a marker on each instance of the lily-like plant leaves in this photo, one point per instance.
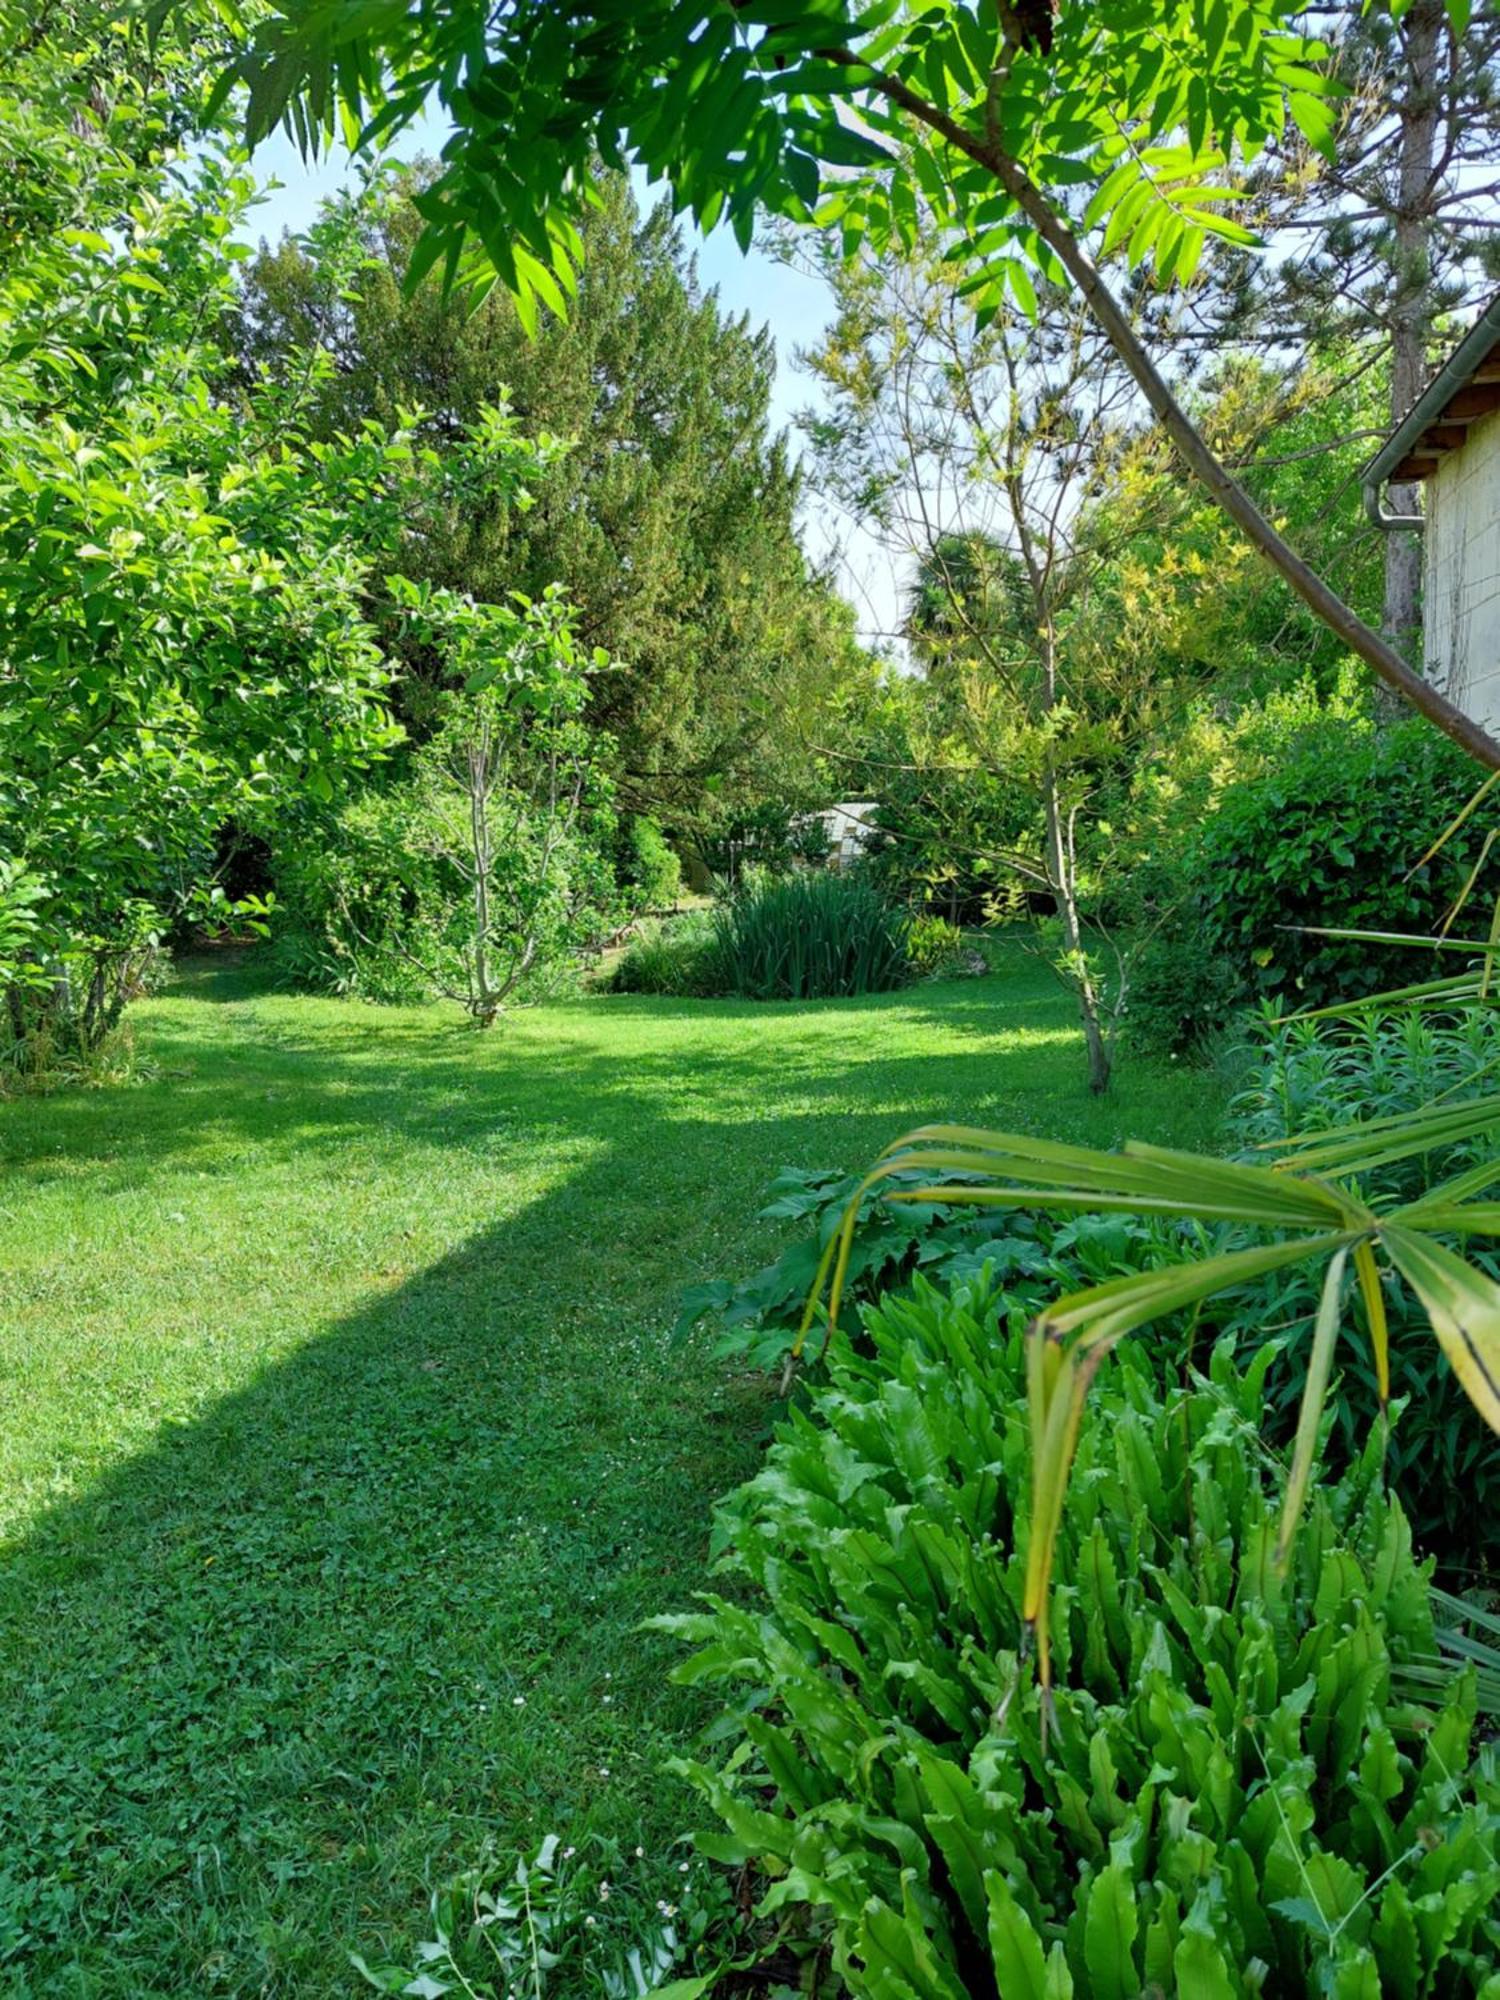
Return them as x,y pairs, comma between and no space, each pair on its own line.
1319,1368
1379,1142
1318,1221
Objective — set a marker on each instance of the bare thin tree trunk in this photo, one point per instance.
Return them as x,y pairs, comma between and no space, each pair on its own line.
1061,867
1411,310
1080,978
486,1003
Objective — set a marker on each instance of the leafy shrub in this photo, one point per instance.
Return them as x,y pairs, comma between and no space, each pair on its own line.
933,944
1182,994
371,904
812,936
63,1008
1228,1800
651,871
1332,835
764,837
1304,1076
810,840
354,896
677,959
1324,827
1032,1257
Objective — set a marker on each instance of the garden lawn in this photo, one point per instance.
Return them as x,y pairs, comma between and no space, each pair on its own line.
344,1445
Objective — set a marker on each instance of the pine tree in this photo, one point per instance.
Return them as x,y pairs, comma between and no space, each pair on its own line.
670,519
1398,229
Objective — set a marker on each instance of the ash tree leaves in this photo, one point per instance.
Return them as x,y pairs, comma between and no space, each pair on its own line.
881,121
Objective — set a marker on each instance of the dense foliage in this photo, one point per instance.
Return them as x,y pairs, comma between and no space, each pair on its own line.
741,114
1294,1081
1336,834
677,959
812,935
182,628
1228,1799
190,661
486,868
1030,1258
669,521
972,128
1303,1077
650,869
809,936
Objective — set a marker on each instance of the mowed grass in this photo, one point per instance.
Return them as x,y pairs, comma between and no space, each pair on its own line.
344,1447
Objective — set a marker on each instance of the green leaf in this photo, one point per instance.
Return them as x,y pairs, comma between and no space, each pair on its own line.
1198,1962
1109,1932
1020,1968
1315,1391
1463,1305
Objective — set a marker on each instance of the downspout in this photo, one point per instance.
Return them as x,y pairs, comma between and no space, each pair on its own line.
1388,523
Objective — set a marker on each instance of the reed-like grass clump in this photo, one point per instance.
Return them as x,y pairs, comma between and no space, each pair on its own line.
810,937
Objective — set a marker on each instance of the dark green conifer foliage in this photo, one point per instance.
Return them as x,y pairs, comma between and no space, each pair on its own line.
669,522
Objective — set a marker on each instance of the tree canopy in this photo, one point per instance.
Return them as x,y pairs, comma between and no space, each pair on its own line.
1017,136
668,515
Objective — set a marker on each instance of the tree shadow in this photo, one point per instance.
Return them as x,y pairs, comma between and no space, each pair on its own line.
311,1649
325,1075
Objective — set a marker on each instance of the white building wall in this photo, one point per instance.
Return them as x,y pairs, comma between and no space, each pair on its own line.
1461,580
850,827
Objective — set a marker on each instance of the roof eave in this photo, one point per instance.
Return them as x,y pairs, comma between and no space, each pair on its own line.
1454,375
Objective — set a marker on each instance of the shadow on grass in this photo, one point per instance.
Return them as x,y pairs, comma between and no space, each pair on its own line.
267,1675
329,1074
311,1650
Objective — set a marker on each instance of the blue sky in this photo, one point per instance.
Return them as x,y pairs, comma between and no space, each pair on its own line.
795,306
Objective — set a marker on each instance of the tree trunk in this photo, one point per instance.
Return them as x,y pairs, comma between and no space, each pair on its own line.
1411,303
484,1004
1060,860
1060,867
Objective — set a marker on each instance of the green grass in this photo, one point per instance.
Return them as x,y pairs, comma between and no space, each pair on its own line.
343,1447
